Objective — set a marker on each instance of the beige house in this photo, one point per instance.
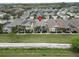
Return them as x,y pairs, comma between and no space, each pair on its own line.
57,25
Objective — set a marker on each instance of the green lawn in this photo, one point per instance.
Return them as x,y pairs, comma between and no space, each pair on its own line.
36,52
38,38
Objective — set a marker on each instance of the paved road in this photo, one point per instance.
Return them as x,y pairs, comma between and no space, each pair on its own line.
46,33
34,45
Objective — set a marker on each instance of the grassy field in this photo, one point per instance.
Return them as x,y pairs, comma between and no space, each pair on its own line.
38,38
36,52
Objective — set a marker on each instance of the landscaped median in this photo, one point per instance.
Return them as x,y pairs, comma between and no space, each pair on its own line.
37,38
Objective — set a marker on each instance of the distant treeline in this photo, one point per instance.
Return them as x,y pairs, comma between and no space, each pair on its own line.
40,5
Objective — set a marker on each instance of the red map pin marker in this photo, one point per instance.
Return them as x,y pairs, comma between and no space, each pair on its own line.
40,18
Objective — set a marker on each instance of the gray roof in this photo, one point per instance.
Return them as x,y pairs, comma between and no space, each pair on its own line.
74,22
57,23
27,22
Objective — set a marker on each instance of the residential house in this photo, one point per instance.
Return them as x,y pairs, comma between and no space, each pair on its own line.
74,25
56,25
2,14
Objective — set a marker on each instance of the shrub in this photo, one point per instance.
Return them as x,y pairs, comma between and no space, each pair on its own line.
15,29
75,44
1,26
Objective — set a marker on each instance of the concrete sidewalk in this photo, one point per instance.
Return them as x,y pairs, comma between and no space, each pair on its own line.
34,45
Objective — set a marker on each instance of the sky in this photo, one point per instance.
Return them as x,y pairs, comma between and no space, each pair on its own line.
36,1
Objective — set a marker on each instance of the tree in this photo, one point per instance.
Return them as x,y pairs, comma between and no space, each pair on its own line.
1,26
35,16
15,29
50,16
6,17
37,29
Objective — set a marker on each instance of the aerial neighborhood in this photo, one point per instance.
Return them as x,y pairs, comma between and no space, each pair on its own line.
39,29
16,18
